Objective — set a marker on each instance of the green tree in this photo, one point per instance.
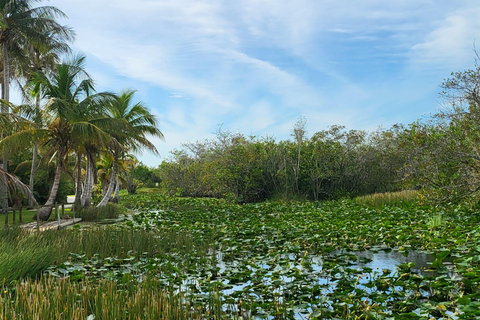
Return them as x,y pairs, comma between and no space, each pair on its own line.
23,26
138,123
77,116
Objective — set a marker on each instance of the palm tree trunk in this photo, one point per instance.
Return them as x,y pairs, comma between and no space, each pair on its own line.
78,183
4,109
116,197
111,185
44,212
88,185
37,120
33,169
6,79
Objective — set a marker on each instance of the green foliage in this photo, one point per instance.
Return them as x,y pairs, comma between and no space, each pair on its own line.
22,257
272,250
271,259
68,299
27,254
330,165
109,211
147,176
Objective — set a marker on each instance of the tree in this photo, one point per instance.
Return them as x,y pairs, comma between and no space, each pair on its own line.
23,26
138,123
77,115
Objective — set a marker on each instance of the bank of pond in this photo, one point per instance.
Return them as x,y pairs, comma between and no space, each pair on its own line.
186,258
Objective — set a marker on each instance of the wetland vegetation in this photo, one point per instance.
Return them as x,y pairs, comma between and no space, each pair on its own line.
342,224
209,258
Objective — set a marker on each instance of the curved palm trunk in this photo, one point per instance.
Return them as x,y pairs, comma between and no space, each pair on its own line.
111,185
116,197
88,185
78,183
44,212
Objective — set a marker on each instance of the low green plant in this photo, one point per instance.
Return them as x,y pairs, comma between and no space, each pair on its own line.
110,211
436,220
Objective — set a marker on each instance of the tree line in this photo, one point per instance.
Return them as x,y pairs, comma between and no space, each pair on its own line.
67,137
68,127
438,155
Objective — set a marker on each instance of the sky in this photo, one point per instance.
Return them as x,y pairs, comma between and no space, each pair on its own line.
257,66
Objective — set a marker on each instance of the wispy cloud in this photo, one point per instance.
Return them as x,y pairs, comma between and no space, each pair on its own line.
256,66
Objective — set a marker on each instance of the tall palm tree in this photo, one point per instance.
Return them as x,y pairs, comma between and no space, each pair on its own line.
77,112
13,123
41,58
24,26
140,123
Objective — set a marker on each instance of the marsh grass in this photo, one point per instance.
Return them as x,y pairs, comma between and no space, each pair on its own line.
26,254
110,211
389,198
53,298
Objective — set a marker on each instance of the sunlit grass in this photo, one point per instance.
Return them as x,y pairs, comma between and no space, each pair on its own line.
52,298
389,198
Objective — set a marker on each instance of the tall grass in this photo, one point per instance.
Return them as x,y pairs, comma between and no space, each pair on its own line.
51,298
26,254
110,211
389,198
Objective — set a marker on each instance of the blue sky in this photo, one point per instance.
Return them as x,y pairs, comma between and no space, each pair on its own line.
256,66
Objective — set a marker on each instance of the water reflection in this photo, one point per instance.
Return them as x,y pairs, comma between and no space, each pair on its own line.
392,259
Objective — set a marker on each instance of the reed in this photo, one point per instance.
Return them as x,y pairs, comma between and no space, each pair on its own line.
51,298
389,198
25,254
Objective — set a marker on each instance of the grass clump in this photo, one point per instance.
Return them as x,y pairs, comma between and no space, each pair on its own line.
110,211
389,198
51,298
25,254
22,257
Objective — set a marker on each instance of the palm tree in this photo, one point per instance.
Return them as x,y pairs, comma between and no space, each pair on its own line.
16,186
139,123
41,58
23,26
12,123
77,113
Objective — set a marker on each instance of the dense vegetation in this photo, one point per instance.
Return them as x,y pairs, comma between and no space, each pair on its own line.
239,227
207,258
64,125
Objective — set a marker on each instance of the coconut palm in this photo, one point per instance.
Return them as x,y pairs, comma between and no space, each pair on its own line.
41,58
16,186
77,113
24,26
139,124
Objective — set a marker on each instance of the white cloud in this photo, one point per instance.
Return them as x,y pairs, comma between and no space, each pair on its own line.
336,62
451,42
